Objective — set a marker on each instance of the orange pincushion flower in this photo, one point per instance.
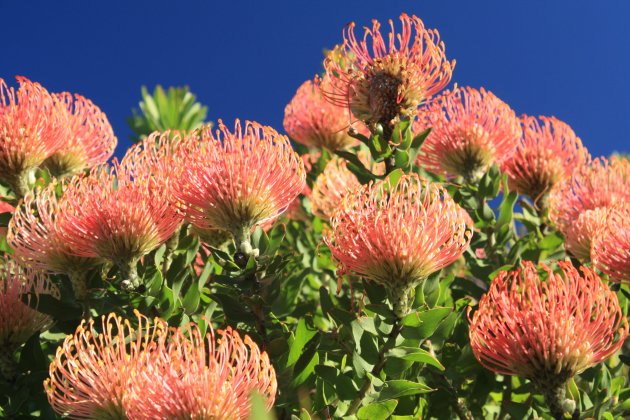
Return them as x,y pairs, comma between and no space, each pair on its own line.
30,131
602,183
579,234
113,216
330,187
92,372
36,235
88,137
398,235
610,251
546,330
471,129
236,180
549,153
18,321
311,120
388,80
201,378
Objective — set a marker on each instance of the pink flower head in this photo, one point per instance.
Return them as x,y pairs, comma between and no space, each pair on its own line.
546,328
236,180
311,120
397,235
602,183
30,131
471,130
610,250
36,233
19,321
200,377
92,372
330,187
549,153
88,137
386,80
113,216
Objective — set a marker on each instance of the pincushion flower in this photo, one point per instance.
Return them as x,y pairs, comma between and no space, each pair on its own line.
330,187
547,328
203,377
18,321
602,183
118,218
30,131
311,120
610,250
548,153
579,234
92,372
386,80
236,180
36,234
471,130
88,137
397,235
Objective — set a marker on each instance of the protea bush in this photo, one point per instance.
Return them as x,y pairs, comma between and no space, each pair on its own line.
403,251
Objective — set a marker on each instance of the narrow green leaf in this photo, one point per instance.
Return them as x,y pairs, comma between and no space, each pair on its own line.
303,334
416,355
377,410
401,388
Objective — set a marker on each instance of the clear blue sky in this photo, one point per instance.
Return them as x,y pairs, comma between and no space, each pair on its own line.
245,59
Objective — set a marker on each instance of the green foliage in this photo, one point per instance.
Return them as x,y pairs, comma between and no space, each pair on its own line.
173,109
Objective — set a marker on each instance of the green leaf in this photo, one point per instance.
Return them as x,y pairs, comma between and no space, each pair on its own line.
305,365
419,139
393,178
416,355
401,388
507,209
303,334
234,310
259,408
377,410
422,324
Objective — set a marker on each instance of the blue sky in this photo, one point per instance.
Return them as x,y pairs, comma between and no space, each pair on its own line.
245,59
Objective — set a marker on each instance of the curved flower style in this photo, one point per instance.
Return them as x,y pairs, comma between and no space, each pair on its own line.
88,137
603,183
382,83
610,250
36,235
118,218
236,180
18,321
546,330
579,234
330,187
92,372
311,120
471,129
397,235
30,131
199,377
548,154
